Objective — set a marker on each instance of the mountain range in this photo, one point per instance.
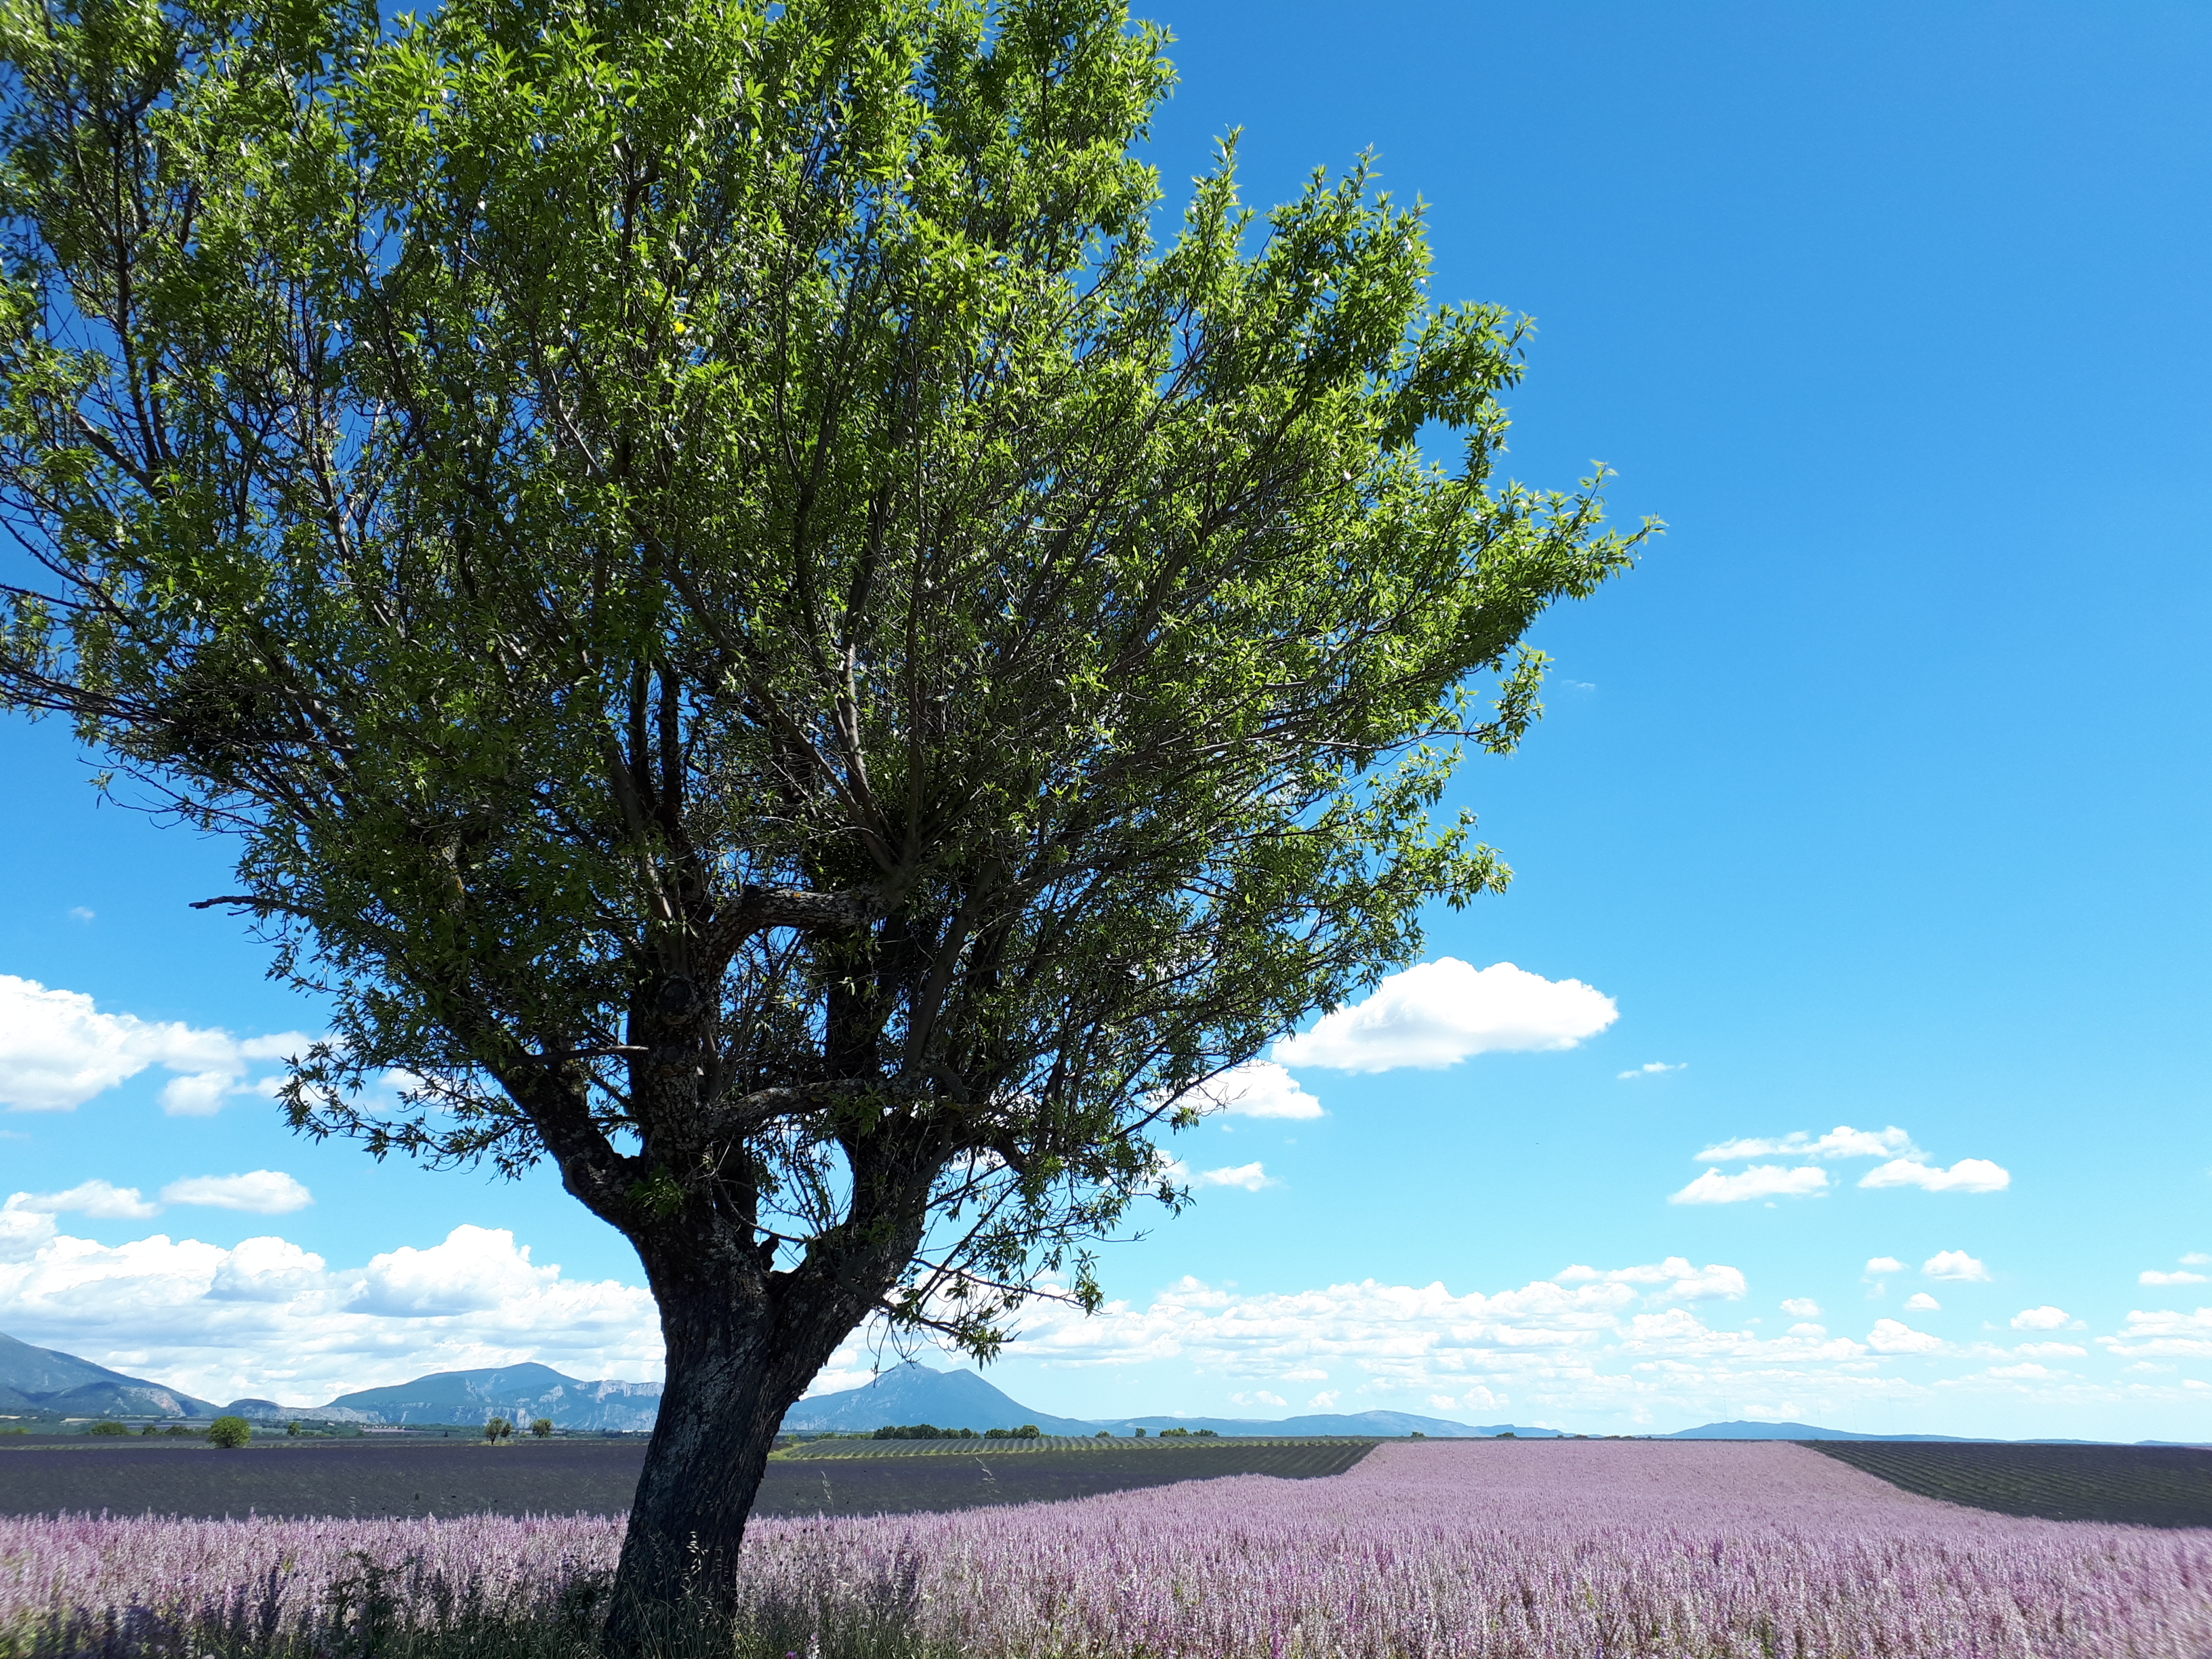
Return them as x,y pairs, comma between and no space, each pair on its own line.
914,1393
46,1382
521,1394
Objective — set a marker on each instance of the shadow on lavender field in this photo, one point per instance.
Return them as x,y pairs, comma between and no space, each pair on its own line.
2139,1485
367,1479
1443,1550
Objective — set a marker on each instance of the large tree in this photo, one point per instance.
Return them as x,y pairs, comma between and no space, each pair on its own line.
762,636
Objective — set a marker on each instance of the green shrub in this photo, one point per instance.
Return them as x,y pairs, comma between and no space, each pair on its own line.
108,1425
230,1432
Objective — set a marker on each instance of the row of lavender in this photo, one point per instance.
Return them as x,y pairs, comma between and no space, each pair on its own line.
1480,1548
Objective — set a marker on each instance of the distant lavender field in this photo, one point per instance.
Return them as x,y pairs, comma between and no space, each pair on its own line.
1474,1549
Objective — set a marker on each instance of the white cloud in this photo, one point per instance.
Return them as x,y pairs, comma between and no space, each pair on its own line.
1325,1401
1801,1307
2045,1318
2152,1276
1761,1181
1258,1088
1808,1330
1248,1176
2046,1349
2161,1333
1879,1265
1921,1302
2029,1373
23,1232
1437,1013
1890,1336
1842,1141
2197,1259
1968,1174
57,1051
1955,1266
271,1319
1674,1280
94,1198
1652,1068
1258,1397
262,1192
1251,1177
81,912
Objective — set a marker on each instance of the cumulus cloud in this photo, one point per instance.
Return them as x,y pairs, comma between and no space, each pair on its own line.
1921,1302
2197,1259
1651,1068
1761,1181
1879,1265
1842,1141
1258,1397
2045,1318
1248,1176
1437,1013
1325,1401
269,1318
97,1199
58,1050
2183,1276
1893,1336
1671,1281
2160,1334
262,1192
1801,1307
259,1192
1258,1088
1968,1174
1955,1266
1251,1177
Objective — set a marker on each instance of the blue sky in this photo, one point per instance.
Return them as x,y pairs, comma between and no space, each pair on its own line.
1876,797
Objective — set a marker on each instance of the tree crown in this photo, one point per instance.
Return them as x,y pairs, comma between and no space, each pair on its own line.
763,635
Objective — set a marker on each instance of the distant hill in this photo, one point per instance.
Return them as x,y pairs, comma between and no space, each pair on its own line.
914,1393
519,1393
1746,1430
46,1381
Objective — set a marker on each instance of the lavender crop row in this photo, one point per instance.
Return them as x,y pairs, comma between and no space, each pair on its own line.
1481,1549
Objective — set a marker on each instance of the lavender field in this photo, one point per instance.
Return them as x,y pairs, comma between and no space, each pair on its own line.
1472,1549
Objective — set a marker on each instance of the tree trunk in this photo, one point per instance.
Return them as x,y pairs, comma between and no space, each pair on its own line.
734,1368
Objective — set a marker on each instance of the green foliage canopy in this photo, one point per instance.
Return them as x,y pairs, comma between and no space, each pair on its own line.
762,633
